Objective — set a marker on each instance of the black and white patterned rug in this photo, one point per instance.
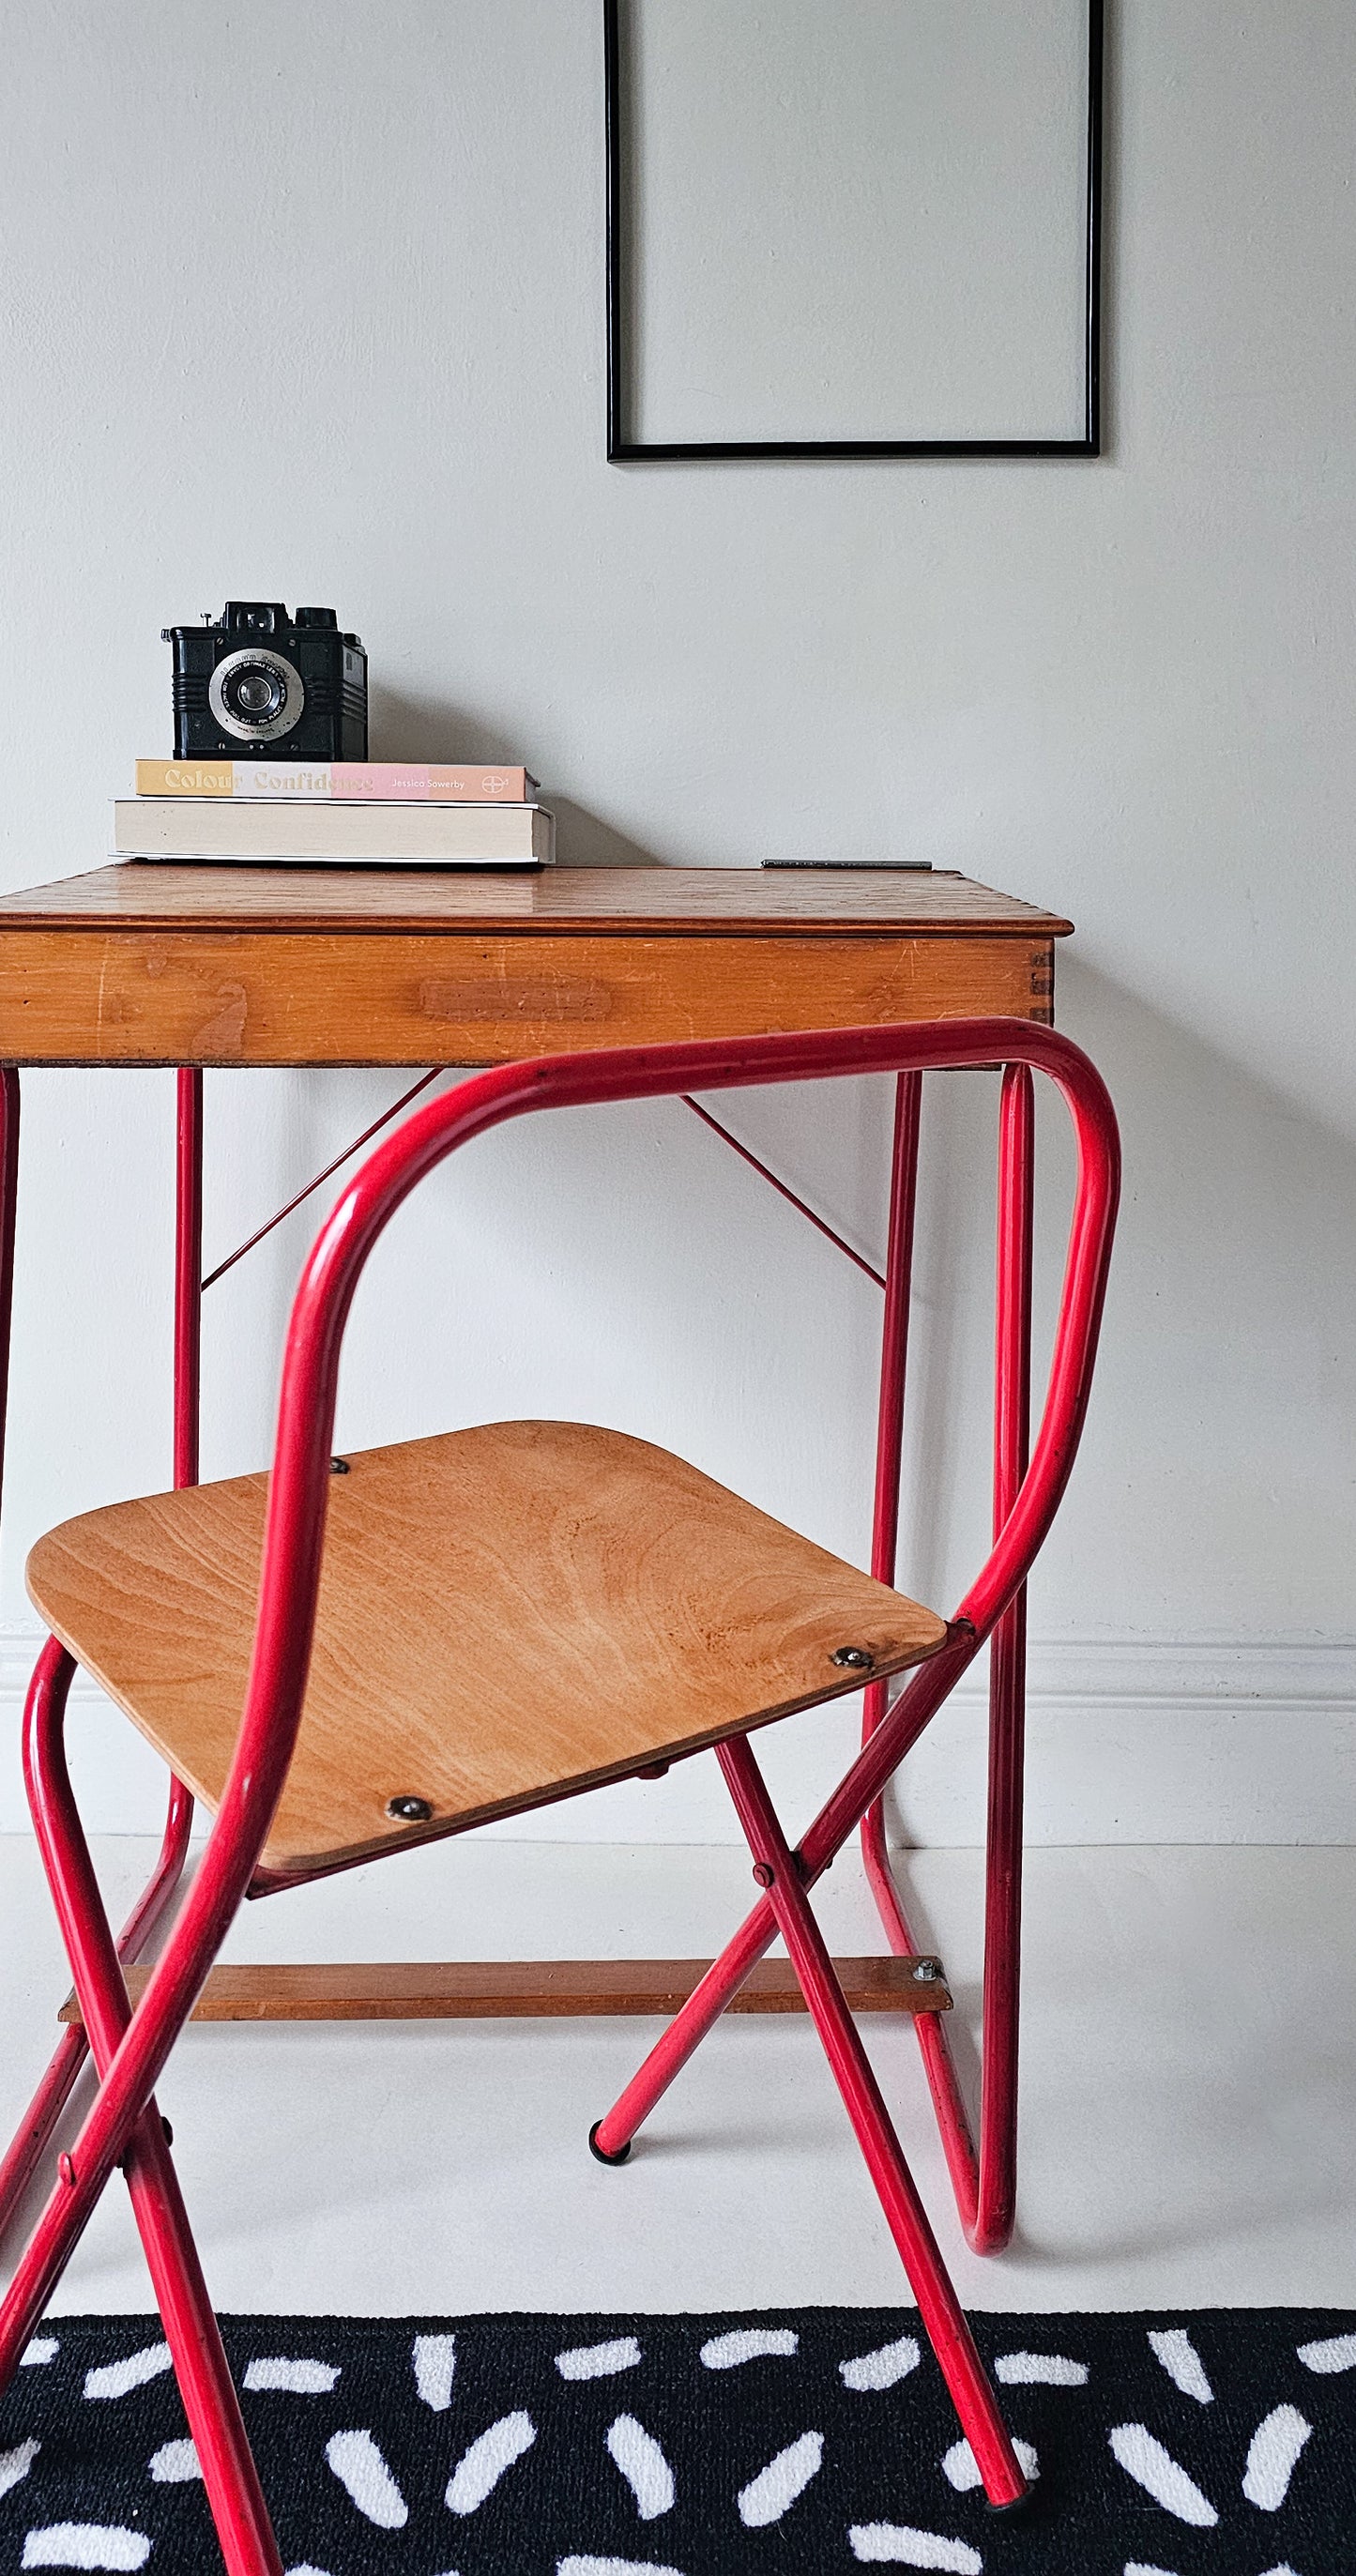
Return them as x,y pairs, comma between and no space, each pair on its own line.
1208,2442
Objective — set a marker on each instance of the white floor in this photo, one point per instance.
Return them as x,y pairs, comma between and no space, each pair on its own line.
1189,2095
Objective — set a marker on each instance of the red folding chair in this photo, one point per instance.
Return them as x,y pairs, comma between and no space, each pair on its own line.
476,1625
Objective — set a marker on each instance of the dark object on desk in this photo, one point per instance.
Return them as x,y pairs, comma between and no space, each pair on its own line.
255,677
922,866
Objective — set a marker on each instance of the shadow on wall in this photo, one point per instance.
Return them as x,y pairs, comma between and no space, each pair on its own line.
1221,1448
410,728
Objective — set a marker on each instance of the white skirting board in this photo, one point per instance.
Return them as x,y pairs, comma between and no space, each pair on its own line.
1129,1741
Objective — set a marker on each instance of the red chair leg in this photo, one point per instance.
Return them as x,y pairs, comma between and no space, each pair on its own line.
939,2307
983,2179
35,2129
191,2330
860,1788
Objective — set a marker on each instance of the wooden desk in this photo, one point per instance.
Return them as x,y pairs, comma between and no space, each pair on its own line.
141,964
149,964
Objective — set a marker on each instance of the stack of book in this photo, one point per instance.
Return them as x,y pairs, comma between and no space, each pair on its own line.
345,813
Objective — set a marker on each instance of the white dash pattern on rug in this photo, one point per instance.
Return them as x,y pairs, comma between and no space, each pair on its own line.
1205,2444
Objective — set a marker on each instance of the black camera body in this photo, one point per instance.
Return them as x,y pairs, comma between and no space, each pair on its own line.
256,684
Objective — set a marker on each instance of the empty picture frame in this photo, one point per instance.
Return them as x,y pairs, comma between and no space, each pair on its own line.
853,228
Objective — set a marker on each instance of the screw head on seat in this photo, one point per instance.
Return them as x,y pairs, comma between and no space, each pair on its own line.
339,1467
856,1659
409,1811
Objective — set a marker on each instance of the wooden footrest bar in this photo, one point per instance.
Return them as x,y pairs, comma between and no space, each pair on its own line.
493,1989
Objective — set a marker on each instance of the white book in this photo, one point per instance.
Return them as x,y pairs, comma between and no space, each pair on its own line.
274,831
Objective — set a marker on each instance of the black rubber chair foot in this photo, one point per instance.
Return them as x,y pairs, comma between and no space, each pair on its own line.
601,2152
1018,2504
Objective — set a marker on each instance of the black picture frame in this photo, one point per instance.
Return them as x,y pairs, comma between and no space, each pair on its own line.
622,450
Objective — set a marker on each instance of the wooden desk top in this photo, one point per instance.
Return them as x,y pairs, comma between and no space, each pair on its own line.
145,963
140,894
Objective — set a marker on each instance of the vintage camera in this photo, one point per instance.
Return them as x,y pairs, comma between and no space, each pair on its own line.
256,683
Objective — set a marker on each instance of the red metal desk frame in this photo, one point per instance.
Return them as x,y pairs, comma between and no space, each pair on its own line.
220,967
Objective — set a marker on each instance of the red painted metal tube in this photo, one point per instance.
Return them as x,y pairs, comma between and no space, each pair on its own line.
1089,1250
39,2121
194,2337
929,2028
820,1224
862,1785
44,2110
939,2065
187,1417
261,1232
299,1492
9,1202
985,2182
187,1420
938,2304
996,2209
187,1274
54,2091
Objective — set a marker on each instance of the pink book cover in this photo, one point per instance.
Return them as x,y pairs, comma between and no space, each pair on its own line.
434,782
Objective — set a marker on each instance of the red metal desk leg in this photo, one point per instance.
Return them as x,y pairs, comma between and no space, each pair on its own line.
939,2065
9,1200
1007,1676
187,1385
985,2183
45,2109
187,1273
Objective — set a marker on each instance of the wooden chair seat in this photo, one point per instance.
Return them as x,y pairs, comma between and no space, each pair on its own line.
507,1615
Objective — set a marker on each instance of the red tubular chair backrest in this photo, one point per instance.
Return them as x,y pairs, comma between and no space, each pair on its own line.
299,1488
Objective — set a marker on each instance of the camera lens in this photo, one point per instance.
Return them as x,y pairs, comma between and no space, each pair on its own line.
256,695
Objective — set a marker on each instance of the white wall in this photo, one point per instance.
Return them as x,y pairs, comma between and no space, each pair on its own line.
308,303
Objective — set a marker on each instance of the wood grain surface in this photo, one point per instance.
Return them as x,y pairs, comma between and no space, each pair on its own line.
727,900
508,1615
140,964
518,1989
216,997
